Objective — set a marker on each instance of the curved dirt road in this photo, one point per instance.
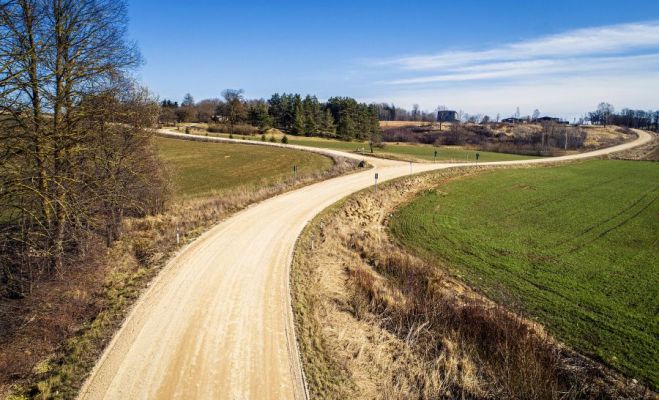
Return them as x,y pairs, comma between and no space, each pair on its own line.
217,322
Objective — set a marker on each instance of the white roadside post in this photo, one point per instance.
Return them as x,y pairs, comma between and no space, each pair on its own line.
410,167
178,235
376,181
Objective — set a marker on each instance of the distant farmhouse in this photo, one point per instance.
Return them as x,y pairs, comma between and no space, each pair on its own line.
447,116
513,120
547,119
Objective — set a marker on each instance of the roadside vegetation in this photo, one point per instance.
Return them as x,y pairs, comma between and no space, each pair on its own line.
573,247
53,336
377,126
399,151
532,138
87,212
375,321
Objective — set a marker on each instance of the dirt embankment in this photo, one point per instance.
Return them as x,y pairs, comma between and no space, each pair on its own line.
646,152
376,322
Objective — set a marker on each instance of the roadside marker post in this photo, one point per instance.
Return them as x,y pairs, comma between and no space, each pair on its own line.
178,235
435,159
376,181
295,172
410,167
477,156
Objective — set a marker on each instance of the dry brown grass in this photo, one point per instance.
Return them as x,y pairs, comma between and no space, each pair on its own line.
398,124
648,152
65,324
376,322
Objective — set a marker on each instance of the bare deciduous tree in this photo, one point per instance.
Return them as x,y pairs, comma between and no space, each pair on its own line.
62,69
233,109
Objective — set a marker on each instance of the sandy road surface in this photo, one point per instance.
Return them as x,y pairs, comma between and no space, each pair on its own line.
217,322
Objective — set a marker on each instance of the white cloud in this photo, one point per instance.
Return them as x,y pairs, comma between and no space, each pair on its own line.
582,42
565,74
542,66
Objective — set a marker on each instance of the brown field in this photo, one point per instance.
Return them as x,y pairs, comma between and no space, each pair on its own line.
398,124
600,136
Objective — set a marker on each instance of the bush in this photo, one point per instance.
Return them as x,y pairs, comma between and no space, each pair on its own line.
456,136
263,137
625,130
284,139
143,250
239,129
272,139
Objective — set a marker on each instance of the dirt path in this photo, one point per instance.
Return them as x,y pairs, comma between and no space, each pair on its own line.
217,322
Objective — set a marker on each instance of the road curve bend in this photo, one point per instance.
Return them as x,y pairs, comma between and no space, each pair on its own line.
217,322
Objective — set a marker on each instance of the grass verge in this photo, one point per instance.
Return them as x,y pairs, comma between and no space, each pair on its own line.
374,321
574,247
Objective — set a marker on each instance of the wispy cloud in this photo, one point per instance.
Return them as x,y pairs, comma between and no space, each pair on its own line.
599,49
565,73
534,67
612,39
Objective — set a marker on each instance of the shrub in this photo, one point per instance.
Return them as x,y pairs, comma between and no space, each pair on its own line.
284,139
143,250
239,129
272,139
453,137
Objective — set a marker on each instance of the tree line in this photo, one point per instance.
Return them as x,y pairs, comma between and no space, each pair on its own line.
339,117
638,119
76,155
389,112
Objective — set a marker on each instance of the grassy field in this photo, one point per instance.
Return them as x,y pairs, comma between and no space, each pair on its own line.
575,247
403,151
415,152
201,168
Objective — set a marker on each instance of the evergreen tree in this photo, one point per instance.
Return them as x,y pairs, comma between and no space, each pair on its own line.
310,127
328,123
312,114
362,126
281,110
346,129
275,110
259,116
298,120
375,132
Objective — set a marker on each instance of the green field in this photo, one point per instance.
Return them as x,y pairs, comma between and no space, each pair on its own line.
202,168
576,247
403,151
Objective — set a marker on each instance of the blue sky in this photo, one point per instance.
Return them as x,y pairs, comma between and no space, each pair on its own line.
562,57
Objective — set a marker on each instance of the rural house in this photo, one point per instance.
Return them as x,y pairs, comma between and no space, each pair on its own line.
447,116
